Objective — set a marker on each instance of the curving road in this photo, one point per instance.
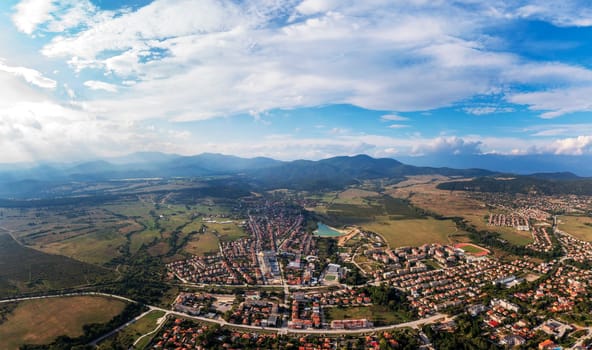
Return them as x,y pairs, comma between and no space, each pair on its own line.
221,322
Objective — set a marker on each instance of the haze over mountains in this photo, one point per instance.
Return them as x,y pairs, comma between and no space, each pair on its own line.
517,164
28,181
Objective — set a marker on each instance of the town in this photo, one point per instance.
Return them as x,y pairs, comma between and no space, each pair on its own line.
524,301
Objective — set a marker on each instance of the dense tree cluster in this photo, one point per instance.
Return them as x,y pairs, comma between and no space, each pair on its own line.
394,299
522,184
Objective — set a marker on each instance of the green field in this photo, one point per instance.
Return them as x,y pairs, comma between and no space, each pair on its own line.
86,233
96,248
108,233
227,232
192,227
41,321
380,315
513,236
339,214
577,226
412,232
472,249
425,195
25,270
137,209
130,334
398,222
144,237
354,196
201,244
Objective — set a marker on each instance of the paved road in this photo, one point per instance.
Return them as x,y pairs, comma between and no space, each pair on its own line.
12,300
155,330
105,336
221,322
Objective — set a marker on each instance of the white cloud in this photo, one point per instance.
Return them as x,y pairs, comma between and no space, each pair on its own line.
235,57
232,57
565,13
448,145
311,7
571,146
555,103
487,109
32,76
53,15
100,85
240,60
547,130
398,126
288,147
393,117
141,30
547,73
31,13
33,131
35,127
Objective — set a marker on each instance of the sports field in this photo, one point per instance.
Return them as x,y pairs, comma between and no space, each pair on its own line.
41,321
472,249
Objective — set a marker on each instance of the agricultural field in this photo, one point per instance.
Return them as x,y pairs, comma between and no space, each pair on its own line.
412,232
422,193
354,196
133,332
105,233
419,180
96,248
41,321
27,270
338,214
577,226
393,218
89,234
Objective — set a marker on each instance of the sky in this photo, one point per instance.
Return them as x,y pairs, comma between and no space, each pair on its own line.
293,79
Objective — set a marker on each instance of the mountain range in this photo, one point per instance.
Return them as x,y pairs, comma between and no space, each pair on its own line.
264,173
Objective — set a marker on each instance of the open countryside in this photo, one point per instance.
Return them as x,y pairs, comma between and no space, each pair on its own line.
41,321
295,175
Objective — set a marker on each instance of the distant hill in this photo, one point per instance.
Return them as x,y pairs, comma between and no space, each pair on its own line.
556,176
580,165
260,172
340,171
547,185
216,164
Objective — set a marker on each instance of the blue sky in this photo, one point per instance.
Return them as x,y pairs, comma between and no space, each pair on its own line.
294,78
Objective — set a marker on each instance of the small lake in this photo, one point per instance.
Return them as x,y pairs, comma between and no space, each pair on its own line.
326,231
